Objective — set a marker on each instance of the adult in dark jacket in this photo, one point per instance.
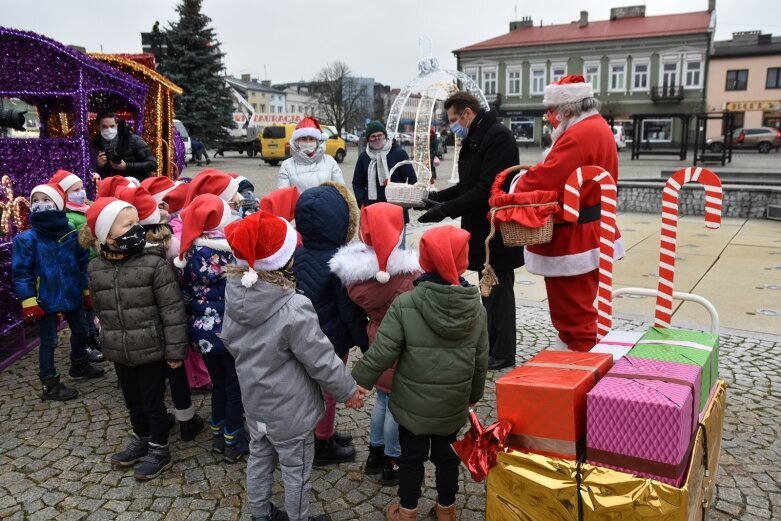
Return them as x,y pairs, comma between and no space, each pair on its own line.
327,218
120,151
488,148
375,163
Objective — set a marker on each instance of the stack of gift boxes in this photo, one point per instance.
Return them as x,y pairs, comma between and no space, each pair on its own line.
632,404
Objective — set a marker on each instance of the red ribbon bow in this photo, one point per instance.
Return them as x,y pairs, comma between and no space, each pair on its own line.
479,447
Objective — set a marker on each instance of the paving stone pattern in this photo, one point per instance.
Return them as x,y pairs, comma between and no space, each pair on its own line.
54,458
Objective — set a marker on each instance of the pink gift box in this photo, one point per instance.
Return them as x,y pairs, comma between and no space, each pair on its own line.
641,418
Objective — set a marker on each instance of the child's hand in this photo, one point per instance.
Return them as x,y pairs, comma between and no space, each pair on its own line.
356,402
174,364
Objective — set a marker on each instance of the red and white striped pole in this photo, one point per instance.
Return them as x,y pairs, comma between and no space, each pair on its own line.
607,234
667,246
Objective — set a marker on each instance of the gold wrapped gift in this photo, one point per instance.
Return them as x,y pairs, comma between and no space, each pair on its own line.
531,487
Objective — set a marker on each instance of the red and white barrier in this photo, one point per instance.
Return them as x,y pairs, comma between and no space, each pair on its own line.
607,235
667,246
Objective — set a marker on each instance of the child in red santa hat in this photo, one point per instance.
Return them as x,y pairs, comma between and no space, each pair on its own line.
76,206
282,203
375,272
438,333
204,256
141,311
49,270
283,360
158,237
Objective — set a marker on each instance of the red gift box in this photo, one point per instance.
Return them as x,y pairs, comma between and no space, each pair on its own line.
545,401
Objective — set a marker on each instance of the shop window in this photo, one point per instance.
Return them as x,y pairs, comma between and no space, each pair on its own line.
658,130
522,128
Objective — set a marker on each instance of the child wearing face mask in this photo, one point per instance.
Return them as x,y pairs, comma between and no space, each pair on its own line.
49,271
141,310
76,205
309,165
204,257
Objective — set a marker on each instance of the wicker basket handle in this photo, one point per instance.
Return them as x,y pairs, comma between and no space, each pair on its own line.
496,188
411,162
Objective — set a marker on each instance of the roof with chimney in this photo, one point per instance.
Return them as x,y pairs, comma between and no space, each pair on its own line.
256,86
747,43
628,25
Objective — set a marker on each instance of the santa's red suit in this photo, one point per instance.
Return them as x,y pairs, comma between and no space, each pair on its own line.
570,261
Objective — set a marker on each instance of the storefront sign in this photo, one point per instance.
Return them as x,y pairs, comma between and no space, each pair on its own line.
270,119
742,106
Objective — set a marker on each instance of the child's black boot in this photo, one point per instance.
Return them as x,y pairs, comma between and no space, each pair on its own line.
81,368
236,445
376,460
327,452
189,429
134,452
390,472
53,389
157,459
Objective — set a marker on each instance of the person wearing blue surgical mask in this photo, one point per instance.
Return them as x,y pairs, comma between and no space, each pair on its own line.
487,148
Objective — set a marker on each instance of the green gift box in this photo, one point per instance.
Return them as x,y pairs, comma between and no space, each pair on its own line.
684,347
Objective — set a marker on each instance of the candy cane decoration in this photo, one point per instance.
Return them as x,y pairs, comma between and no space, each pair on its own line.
607,235
667,246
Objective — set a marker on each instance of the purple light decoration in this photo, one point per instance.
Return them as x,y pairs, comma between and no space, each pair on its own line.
56,79
179,153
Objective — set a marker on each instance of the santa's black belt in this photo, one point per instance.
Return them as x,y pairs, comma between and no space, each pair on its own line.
587,215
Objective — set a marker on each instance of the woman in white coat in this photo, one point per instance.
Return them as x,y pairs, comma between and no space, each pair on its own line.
309,165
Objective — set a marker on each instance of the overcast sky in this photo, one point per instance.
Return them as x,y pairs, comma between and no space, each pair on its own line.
290,40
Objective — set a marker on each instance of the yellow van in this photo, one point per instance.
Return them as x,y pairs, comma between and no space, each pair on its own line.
275,143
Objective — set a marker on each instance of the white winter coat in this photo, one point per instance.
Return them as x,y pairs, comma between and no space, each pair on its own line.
303,176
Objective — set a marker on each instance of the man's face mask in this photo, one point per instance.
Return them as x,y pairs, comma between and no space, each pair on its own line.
109,133
553,118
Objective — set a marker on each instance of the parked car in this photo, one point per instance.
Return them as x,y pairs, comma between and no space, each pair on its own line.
620,137
763,139
350,137
275,143
188,147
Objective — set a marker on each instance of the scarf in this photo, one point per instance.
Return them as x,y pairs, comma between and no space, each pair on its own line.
564,124
52,224
302,158
378,168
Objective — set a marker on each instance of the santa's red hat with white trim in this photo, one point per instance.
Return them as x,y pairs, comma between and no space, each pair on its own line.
213,182
53,192
111,185
308,127
206,213
148,212
445,250
158,186
102,214
382,226
569,89
262,242
64,179
176,198
281,202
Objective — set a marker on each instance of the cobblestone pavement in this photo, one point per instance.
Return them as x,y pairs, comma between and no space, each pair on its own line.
54,458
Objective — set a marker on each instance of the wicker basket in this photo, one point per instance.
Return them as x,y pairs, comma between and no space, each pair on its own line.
406,195
514,234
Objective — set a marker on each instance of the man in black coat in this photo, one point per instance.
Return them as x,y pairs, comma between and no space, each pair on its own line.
120,151
487,148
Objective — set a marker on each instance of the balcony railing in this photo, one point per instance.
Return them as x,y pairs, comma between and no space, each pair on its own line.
494,99
667,93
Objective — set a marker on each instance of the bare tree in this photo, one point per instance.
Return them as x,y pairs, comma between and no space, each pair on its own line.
340,98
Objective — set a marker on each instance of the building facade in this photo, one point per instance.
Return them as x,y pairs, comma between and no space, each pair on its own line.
637,64
745,79
260,95
299,101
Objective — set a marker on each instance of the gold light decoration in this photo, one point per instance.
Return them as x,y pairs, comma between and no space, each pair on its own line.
13,210
158,109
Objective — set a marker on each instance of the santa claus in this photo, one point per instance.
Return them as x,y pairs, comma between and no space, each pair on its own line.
569,262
